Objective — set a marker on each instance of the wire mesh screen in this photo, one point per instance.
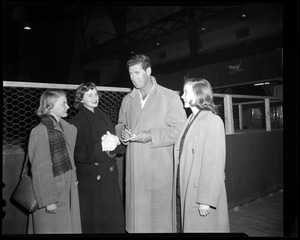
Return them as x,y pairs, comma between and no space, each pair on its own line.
249,112
20,104
276,112
219,102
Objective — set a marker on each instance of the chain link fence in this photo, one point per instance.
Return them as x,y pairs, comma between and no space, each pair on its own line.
242,113
239,113
20,102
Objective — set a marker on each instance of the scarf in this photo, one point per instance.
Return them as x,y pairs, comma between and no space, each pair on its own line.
59,153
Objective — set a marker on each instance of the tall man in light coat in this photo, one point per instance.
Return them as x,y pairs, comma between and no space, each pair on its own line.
150,119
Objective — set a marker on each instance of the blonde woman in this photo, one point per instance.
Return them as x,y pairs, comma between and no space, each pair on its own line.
50,148
200,154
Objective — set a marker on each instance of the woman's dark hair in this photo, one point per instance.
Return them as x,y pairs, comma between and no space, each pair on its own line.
139,58
81,90
203,92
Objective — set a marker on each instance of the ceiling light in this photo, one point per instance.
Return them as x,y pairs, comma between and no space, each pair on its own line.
243,15
157,43
259,84
27,28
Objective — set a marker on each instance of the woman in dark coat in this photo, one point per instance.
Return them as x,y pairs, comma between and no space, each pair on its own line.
101,204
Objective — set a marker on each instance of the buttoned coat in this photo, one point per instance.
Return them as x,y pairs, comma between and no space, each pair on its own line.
48,189
149,166
101,203
202,166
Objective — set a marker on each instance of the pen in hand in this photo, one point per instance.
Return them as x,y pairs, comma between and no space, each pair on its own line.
126,133
128,130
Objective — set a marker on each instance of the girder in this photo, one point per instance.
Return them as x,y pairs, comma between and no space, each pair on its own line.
179,21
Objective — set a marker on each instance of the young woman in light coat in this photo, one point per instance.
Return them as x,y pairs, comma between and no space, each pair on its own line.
50,148
200,153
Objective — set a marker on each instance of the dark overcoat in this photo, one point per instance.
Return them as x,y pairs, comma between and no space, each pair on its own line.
202,174
100,198
48,189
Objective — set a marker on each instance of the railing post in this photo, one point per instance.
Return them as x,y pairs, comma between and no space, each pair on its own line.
241,116
267,114
228,112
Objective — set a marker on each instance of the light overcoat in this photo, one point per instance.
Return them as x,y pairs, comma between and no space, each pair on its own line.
48,189
149,166
202,166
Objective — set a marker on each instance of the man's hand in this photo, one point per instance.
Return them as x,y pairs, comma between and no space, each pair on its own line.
125,135
142,137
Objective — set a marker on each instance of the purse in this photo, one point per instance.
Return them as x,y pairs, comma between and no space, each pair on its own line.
23,194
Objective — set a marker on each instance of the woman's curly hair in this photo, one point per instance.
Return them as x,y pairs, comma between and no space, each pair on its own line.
81,90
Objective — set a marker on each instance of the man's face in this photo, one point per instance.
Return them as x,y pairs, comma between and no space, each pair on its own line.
139,76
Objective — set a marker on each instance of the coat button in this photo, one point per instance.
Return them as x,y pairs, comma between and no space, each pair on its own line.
111,169
96,163
98,177
76,182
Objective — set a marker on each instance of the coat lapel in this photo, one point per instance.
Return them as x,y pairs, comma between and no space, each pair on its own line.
69,135
106,121
194,128
147,110
177,143
135,102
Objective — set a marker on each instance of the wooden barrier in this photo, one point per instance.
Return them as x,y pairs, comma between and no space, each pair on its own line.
254,168
254,165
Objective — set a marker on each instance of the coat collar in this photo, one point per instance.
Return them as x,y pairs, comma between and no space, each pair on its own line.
136,100
85,113
60,126
202,115
68,130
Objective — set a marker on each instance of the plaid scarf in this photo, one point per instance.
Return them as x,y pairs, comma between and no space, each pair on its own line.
59,154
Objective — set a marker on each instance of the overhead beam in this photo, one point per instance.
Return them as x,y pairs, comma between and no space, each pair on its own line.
208,57
175,22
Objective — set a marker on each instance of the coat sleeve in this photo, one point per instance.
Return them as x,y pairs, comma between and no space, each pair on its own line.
175,119
120,149
122,117
213,164
44,183
82,151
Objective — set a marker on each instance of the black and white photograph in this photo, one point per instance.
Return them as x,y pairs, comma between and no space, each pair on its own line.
150,119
